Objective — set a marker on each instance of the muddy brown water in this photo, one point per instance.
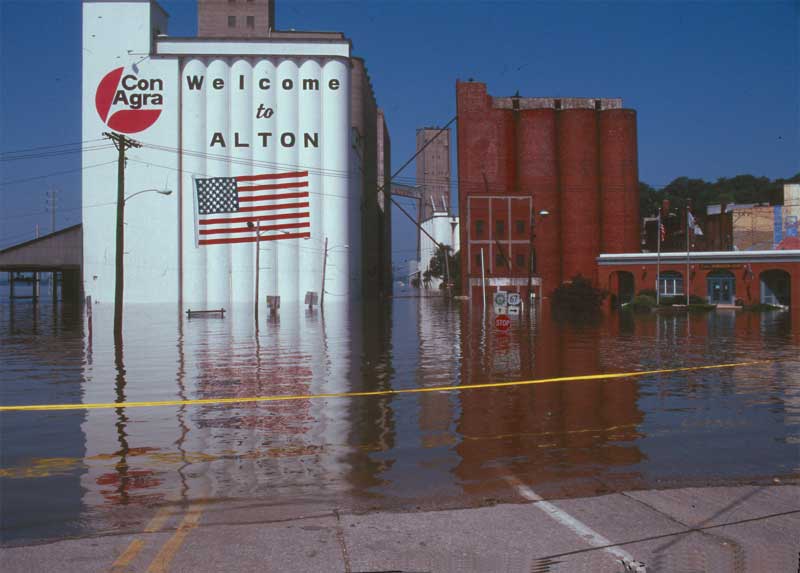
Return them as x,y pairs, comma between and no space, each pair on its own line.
71,473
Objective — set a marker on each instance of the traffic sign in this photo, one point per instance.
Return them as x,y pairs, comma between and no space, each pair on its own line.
514,299
502,322
500,298
513,310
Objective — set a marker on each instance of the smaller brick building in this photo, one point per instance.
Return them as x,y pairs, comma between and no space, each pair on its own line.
722,277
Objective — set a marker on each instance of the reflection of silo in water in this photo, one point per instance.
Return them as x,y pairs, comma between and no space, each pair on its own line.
565,433
289,445
439,340
372,419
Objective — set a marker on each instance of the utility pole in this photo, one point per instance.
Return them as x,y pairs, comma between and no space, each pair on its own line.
122,143
257,227
324,268
51,205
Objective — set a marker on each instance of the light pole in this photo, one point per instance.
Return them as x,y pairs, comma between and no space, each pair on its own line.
533,262
120,275
324,268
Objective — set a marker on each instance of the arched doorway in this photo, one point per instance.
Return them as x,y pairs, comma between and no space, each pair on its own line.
721,287
776,287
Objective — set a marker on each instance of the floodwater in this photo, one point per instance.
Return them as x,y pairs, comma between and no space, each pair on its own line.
77,472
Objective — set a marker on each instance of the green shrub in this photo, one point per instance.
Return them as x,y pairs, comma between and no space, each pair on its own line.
577,298
642,303
760,307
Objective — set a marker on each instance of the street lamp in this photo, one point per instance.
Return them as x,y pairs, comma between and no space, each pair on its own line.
120,275
533,263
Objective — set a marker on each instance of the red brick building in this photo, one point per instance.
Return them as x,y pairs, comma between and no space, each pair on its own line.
545,186
719,277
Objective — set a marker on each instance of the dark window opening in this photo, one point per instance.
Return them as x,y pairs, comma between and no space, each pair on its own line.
251,21
478,260
520,227
499,227
520,259
479,228
499,260
231,21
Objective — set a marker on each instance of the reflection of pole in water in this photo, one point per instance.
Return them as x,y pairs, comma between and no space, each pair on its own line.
122,422
180,378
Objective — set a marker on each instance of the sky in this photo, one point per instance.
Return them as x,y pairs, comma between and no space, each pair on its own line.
716,85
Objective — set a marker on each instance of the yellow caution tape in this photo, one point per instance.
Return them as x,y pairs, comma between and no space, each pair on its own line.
279,398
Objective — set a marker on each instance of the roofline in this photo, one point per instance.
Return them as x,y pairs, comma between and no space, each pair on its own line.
26,243
791,256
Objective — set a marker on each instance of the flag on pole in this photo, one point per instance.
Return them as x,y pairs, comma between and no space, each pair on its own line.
278,202
693,224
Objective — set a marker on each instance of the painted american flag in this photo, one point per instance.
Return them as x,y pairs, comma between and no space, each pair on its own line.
229,209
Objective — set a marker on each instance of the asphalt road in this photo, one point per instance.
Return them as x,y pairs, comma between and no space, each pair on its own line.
725,529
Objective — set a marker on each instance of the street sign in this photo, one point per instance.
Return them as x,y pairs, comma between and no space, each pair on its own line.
513,310
500,309
502,322
514,299
500,298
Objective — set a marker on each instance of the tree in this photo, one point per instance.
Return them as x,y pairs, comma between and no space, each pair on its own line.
577,298
439,268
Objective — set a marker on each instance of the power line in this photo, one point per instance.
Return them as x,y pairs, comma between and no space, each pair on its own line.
38,177
4,153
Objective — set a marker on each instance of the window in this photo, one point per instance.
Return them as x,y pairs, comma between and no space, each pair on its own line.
499,227
520,226
231,21
499,260
479,228
478,260
251,21
670,283
520,261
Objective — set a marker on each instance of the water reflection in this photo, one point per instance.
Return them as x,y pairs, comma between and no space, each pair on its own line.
103,470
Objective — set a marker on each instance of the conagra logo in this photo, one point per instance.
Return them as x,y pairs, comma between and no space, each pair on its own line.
128,104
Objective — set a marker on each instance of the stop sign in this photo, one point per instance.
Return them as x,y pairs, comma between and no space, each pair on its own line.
502,322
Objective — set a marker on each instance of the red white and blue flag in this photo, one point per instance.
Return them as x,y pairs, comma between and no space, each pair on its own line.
231,209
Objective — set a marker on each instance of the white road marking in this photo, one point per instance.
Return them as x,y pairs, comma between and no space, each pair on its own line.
577,527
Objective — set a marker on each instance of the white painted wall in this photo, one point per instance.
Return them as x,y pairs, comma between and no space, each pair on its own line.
160,231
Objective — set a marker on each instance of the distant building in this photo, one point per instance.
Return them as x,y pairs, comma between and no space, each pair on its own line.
545,185
433,170
231,19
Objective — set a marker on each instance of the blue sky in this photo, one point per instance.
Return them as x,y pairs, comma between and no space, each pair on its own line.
715,84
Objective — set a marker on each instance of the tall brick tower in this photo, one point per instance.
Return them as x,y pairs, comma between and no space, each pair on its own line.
235,18
433,171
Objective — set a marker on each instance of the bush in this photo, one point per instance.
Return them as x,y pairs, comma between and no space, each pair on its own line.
761,307
641,303
578,298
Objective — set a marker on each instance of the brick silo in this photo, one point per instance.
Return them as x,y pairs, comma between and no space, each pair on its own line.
538,170
580,193
619,181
